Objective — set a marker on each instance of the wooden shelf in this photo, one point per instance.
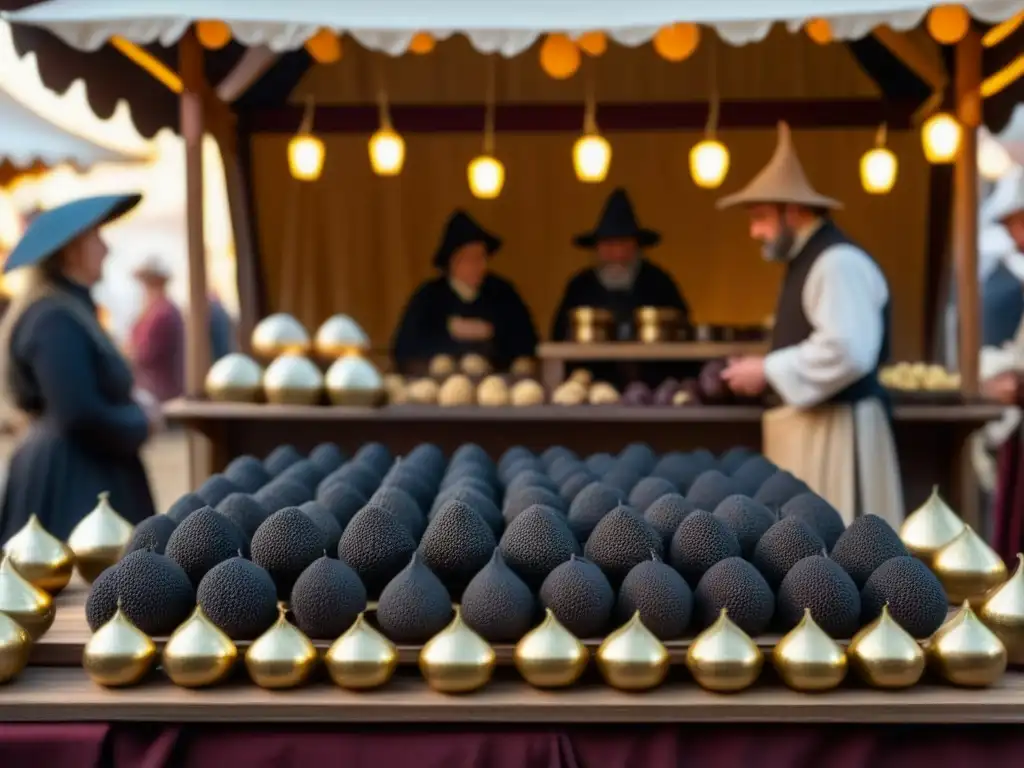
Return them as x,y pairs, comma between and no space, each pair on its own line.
626,351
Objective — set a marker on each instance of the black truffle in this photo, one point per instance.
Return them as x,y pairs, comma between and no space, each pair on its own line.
325,522
818,583
341,501
239,597
662,596
244,511
536,542
590,505
248,473
679,469
622,478
497,603
154,591
524,498
281,493
665,515
622,540
351,475
639,456
456,545
747,519
735,585
710,489
279,459
285,545
327,598
753,473
699,542
152,534
579,595
215,489
414,606
784,545
184,506
403,506
376,546
821,516
327,457
778,489
917,601
202,540
478,502
648,491
865,545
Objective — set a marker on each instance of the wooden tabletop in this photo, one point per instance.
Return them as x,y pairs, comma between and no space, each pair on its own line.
183,410
44,694
631,351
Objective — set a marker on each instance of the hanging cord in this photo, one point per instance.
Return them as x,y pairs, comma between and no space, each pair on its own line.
490,105
714,102
306,126
590,99
382,96
882,135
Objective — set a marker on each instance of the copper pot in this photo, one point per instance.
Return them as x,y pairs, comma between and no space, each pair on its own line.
656,324
589,325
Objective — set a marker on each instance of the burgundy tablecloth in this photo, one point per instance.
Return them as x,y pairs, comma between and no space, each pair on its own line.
732,746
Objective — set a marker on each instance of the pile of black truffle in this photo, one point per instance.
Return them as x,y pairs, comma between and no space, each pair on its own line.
676,537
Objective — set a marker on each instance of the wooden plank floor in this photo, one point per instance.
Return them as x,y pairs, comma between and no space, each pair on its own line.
46,694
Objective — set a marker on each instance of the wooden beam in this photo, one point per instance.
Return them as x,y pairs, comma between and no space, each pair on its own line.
913,57
967,82
149,62
568,117
253,64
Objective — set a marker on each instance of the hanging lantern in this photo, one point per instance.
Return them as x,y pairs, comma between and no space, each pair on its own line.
591,158
387,152
819,30
305,150
593,43
709,163
324,47
677,42
486,177
994,161
948,24
878,166
213,35
306,157
422,43
940,136
559,57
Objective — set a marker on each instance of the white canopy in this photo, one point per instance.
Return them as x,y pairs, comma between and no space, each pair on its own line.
505,26
27,139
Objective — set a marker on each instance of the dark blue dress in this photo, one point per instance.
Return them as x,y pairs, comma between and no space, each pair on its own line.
86,429
1002,307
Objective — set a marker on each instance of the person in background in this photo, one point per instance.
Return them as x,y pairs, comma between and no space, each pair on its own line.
223,340
1002,375
620,279
831,335
58,367
467,309
157,341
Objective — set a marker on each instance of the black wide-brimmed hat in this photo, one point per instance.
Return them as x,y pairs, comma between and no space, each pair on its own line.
618,220
461,229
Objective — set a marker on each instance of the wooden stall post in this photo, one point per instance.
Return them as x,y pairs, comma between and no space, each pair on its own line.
197,359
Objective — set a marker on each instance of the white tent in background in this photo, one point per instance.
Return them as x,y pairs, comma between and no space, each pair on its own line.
30,143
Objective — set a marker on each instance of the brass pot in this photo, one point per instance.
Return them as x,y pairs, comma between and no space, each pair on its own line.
353,380
657,324
340,335
293,380
279,334
590,325
235,378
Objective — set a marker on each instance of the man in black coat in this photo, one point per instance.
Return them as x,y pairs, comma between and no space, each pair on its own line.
621,279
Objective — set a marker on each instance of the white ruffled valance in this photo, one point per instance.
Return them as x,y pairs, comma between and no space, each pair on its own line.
507,27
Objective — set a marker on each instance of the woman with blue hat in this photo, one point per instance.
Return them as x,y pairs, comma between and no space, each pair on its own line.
467,308
61,370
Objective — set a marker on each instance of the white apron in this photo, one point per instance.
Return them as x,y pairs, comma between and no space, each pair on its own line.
845,453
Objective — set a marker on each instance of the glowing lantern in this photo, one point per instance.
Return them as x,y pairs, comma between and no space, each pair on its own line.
940,136
878,169
324,47
709,163
677,42
486,177
948,24
819,30
591,158
387,152
213,34
422,43
592,43
305,157
559,57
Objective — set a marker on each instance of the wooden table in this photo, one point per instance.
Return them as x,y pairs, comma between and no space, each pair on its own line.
555,355
932,439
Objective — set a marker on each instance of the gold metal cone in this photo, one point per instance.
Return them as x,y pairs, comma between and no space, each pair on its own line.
99,539
1003,613
930,527
28,605
550,656
354,380
40,557
457,659
118,654
282,657
807,659
198,653
279,334
340,335
968,568
723,658
966,652
293,380
234,378
362,658
632,658
885,655
15,648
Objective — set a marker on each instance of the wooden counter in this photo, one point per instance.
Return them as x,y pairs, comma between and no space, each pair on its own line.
931,439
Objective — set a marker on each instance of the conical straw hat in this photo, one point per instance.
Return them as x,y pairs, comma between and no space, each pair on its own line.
781,181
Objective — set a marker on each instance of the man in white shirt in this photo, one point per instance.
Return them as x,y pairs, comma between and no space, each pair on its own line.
831,335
